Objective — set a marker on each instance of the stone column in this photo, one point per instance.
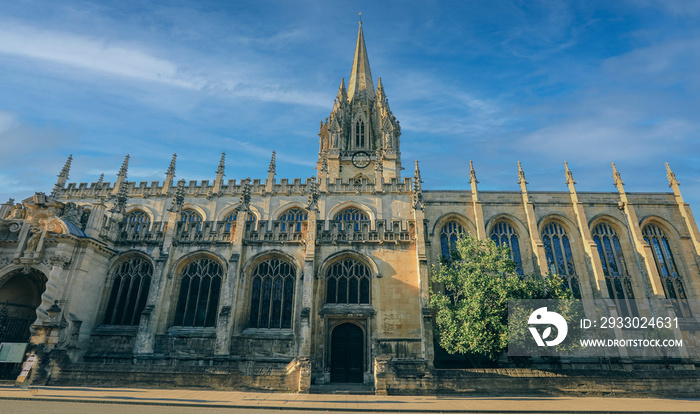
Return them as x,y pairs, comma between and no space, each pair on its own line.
476,205
642,246
224,323
535,239
307,286
145,337
589,245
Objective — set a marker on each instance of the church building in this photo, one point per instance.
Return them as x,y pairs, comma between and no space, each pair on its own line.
282,284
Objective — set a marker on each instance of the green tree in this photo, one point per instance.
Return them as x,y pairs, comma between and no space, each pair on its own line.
472,307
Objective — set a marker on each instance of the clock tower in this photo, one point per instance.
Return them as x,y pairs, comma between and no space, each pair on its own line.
360,138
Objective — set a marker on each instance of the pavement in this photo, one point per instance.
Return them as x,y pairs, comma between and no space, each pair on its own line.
340,402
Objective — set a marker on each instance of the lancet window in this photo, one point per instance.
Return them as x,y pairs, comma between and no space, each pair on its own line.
351,217
560,260
200,288
360,134
130,286
272,294
293,219
671,279
503,234
617,278
138,219
191,218
231,218
348,281
448,238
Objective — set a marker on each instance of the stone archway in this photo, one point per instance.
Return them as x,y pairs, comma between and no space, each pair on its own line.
347,353
20,296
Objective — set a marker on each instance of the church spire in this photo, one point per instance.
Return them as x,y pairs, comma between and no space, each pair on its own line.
361,76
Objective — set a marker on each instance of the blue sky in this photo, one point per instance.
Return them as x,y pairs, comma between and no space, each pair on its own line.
587,82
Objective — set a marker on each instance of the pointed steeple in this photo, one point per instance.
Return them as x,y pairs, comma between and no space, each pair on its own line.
381,96
121,177
222,164
62,177
171,167
342,92
169,175
218,182
417,189
273,166
361,76
671,177
124,168
569,176
617,178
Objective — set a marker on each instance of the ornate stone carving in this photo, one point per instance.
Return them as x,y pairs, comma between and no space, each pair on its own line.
60,261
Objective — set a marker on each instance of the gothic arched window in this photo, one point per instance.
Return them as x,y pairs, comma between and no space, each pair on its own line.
503,234
200,287
191,218
360,134
293,217
668,271
347,281
138,219
617,278
351,217
448,238
233,217
130,286
560,261
272,294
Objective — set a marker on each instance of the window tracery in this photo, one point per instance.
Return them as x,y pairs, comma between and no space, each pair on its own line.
138,219
560,260
448,238
200,288
503,234
348,281
360,134
294,217
130,287
231,218
671,279
272,294
351,217
617,277
191,218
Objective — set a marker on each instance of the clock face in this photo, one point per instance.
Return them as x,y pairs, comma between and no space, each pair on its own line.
360,159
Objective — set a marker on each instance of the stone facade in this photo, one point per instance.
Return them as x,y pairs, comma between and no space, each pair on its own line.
279,284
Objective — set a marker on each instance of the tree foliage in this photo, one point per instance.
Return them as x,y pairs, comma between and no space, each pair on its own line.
472,305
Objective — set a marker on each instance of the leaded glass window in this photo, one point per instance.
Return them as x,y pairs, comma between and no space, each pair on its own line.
138,219
448,238
360,134
503,234
560,261
272,294
130,286
617,278
231,218
191,218
351,217
347,281
200,287
293,218
668,271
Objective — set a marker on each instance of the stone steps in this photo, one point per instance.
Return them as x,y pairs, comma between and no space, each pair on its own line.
342,388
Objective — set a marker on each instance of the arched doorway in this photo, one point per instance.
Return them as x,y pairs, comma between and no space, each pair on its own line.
347,353
20,295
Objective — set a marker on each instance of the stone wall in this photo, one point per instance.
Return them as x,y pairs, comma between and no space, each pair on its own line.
399,376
